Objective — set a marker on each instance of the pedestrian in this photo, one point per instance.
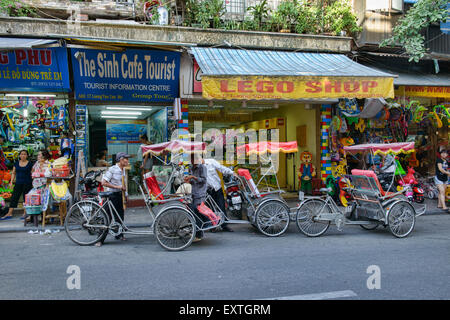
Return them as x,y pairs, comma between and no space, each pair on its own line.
147,160
198,179
39,168
101,160
21,173
215,185
442,176
115,182
2,155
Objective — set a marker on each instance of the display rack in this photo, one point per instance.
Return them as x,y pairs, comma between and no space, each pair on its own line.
81,138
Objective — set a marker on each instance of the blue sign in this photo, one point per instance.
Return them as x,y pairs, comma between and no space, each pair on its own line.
34,70
125,131
131,75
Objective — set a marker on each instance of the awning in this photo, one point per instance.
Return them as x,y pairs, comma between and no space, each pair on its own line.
416,80
117,44
24,43
271,75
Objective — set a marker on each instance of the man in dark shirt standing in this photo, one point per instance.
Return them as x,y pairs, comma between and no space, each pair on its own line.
197,178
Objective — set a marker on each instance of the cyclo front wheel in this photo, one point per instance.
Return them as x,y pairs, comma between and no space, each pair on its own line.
174,229
86,223
306,217
402,219
272,218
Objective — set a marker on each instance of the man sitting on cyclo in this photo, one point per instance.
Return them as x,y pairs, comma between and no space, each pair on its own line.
198,179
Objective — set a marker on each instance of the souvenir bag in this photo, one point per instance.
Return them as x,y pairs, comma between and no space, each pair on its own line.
59,191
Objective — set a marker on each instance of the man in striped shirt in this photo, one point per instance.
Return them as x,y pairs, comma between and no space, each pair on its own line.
115,182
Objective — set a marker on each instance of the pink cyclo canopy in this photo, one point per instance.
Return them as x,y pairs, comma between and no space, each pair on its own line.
174,146
382,148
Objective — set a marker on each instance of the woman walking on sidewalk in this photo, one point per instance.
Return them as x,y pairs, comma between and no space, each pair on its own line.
22,174
442,176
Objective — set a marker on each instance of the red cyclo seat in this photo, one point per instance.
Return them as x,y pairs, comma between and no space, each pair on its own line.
153,187
203,209
244,173
371,174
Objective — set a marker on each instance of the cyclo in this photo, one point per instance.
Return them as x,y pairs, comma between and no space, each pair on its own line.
172,221
266,210
371,206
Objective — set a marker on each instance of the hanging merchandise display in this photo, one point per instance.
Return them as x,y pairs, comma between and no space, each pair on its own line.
389,122
349,107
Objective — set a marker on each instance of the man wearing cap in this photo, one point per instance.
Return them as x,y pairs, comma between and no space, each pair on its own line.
114,181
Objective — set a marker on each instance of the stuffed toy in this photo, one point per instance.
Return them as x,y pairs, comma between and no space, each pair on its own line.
306,172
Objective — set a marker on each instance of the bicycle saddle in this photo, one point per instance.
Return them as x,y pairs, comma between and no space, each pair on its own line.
106,194
325,190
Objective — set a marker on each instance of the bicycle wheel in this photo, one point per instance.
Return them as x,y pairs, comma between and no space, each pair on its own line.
401,219
85,213
272,218
305,217
174,229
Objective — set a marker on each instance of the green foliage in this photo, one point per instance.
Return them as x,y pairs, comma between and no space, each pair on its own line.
407,32
287,14
299,16
260,12
339,17
207,13
15,8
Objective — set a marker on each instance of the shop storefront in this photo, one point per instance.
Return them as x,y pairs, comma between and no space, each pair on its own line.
421,103
249,89
124,94
35,106
429,128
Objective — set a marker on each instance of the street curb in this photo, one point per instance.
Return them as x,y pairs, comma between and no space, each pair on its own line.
137,225
55,228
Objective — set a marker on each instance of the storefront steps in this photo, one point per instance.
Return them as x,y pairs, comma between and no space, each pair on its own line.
135,217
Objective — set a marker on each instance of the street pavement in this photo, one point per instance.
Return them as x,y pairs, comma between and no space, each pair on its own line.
353,264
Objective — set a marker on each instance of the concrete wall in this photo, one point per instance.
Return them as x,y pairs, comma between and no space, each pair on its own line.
171,34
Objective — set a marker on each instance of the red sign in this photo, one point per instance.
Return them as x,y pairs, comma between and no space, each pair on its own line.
197,78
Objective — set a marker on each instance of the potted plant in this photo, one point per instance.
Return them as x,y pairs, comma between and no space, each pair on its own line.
14,8
260,12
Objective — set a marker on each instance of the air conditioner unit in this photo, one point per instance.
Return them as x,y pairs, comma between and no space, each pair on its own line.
384,5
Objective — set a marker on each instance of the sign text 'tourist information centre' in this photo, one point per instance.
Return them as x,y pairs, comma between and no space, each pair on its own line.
131,75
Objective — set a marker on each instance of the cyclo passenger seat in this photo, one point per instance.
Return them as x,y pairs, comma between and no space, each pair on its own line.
371,174
247,176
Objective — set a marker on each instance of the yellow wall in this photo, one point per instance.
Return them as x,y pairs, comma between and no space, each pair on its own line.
295,115
272,124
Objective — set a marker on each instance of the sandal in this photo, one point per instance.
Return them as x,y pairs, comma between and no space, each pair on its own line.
6,218
98,244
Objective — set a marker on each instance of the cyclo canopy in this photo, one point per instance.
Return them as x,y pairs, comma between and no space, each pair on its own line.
382,148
